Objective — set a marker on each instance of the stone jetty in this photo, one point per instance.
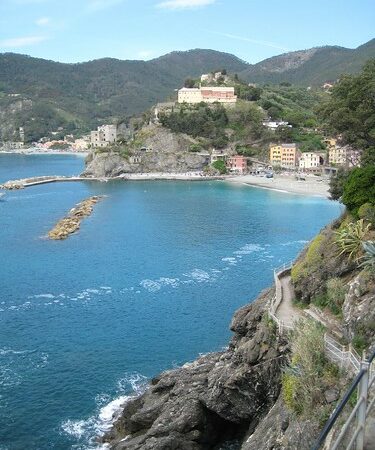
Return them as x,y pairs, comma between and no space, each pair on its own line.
71,223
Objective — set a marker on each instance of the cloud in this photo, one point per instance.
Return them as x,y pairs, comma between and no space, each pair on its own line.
25,41
253,41
184,4
43,21
100,5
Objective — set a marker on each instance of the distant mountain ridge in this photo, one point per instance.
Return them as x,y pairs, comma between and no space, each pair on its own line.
312,66
83,95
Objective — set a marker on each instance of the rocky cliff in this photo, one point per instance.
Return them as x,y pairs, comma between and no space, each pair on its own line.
154,149
217,399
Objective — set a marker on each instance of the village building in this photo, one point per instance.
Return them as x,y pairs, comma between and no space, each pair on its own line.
337,156
103,136
311,161
275,124
209,94
218,155
237,164
284,155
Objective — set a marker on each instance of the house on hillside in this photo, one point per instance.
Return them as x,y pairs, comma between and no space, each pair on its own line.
284,155
207,94
312,161
237,164
103,136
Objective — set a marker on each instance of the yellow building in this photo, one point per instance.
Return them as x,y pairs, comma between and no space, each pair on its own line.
330,142
283,155
337,155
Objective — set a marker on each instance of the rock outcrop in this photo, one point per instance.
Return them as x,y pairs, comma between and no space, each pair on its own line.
159,150
213,400
71,223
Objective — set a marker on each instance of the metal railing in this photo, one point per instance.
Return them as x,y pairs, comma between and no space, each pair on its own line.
277,298
363,382
345,357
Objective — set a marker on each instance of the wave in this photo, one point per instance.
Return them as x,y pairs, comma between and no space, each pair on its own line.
16,365
86,431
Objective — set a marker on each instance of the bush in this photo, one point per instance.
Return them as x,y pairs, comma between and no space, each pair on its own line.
304,381
195,148
311,261
220,166
359,188
367,212
335,294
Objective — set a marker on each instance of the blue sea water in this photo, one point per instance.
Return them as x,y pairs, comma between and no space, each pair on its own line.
149,282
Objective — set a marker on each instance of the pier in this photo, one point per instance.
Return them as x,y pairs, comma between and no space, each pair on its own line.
35,181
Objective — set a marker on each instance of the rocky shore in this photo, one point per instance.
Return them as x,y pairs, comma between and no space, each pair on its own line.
71,223
217,400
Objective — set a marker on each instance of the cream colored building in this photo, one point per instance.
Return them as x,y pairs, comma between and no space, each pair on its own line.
207,94
337,155
311,160
105,135
283,155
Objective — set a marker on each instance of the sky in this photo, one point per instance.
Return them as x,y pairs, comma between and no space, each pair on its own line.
81,30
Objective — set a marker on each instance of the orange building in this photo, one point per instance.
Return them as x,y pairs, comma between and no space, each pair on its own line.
237,163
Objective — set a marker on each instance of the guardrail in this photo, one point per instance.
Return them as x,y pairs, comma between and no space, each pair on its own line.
346,357
363,382
277,298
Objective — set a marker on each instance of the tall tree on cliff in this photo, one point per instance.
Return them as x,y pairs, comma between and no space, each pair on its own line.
350,111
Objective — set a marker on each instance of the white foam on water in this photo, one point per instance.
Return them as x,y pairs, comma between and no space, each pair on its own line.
156,285
230,260
301,241
16,365
248,249
41,296
200,276
85,432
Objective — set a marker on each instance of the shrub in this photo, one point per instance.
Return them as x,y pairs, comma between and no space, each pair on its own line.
367,212
195,148
335,294
311,261
359,188
349,238
220,166
309,373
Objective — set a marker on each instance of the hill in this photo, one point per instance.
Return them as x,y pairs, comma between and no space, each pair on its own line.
79,96
43,96
310,67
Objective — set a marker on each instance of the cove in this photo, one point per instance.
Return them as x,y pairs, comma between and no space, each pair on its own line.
151,280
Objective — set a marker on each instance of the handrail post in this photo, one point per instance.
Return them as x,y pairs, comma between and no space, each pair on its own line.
361,416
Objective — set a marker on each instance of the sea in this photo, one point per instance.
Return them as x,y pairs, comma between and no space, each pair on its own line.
150,282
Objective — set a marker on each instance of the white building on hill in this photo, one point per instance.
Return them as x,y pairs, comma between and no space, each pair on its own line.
207,94
105,135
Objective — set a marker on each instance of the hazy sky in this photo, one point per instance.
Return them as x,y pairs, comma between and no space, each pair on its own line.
81,30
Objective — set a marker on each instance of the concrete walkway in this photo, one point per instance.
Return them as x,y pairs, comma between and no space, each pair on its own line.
286,311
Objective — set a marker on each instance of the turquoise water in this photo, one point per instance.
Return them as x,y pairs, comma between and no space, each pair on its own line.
150,281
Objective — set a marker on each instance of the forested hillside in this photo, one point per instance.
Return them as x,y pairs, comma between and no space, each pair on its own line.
42,95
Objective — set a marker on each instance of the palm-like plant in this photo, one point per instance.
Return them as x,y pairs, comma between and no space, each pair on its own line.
368,259
350,238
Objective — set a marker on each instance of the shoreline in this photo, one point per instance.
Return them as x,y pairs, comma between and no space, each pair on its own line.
43,152
311,187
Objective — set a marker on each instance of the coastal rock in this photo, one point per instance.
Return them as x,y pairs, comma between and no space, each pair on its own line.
280,429
214,399
71,223
163,151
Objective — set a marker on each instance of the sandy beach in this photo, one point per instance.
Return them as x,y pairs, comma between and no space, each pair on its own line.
313,185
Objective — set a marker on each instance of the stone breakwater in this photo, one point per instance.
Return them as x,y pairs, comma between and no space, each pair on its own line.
71,223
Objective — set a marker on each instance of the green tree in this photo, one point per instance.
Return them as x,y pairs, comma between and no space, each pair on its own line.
350,110
220,166
359,188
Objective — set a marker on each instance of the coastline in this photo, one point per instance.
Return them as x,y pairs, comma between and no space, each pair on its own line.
43,152
286,184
